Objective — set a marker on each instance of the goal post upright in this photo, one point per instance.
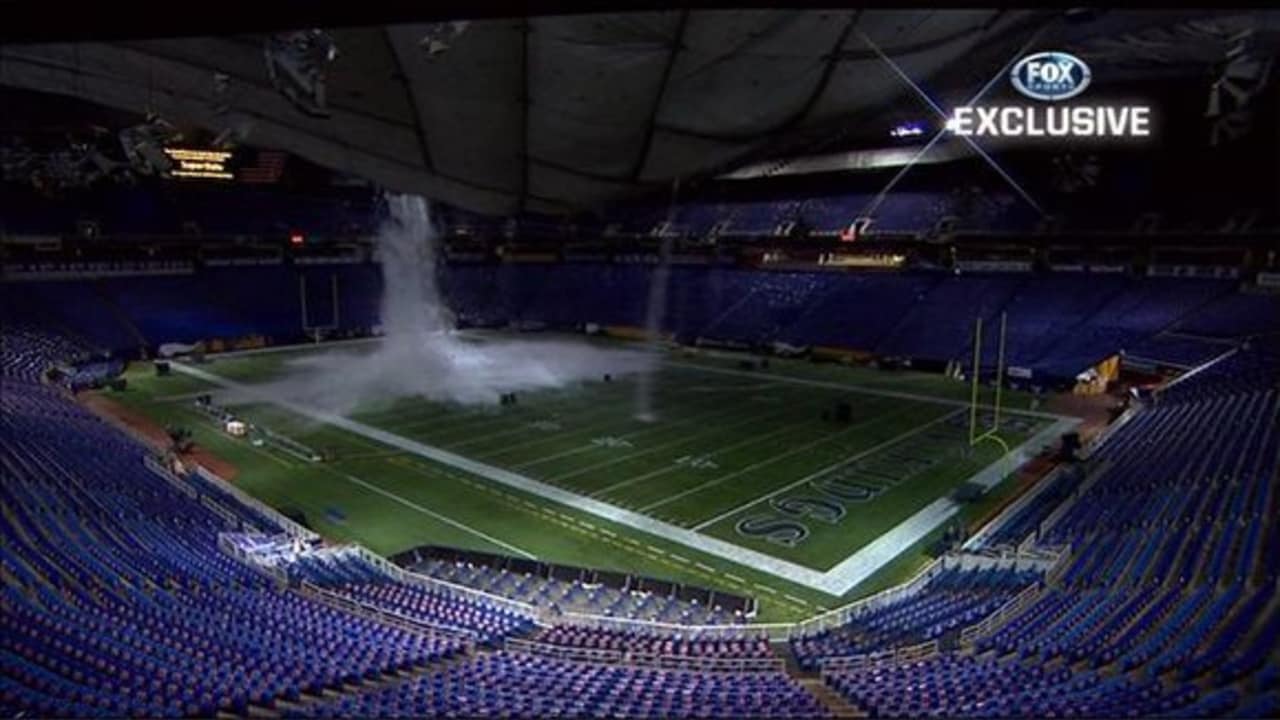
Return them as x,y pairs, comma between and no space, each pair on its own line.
333,287
1004,317
302,298
317,331
991,432
974,371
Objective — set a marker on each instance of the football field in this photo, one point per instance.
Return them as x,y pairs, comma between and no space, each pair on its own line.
743,480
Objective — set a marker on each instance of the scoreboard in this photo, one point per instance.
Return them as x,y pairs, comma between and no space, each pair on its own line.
191,163
256,167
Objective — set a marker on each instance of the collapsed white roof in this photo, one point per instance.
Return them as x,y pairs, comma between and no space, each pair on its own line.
551,114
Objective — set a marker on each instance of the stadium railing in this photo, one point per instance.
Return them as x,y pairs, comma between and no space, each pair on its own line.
993,621
240,554
1096,471
401,575
855,662
181,485
1053,576
543,617
979,539
727,632
292,528
387,615
845,614
1195,371
642,659
390,569
774,631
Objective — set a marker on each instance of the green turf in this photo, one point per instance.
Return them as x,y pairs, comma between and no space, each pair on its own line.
727,445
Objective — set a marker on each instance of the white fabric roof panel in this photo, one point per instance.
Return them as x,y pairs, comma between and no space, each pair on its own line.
552,114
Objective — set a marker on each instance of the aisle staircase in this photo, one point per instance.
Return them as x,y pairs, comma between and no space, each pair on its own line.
834,701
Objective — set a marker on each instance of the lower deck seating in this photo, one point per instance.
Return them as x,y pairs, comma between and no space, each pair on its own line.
670,644
1168,603
118,601
952,600
510,684
576,596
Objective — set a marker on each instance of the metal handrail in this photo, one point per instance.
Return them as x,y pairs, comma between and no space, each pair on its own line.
643,659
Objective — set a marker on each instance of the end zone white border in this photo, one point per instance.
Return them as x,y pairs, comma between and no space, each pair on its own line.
837,581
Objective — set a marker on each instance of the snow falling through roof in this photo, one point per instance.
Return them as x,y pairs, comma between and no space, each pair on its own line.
421,353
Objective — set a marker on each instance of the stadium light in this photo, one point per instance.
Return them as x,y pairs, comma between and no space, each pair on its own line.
910,129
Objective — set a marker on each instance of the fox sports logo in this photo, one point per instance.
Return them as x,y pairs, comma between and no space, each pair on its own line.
1050,76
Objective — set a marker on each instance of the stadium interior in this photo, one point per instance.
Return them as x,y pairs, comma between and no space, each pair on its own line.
425,360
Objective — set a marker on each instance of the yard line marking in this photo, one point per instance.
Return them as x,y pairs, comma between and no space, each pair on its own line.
606,410
734,578
380,454
440,415
827,469
442,518
673,392
658,427
765,588
681,558
458,419
795,599
767,414
469,422
673,467
756,465
660,551
599,408
858,389
551,518
836,581
879,552
675,388
179,397
764,414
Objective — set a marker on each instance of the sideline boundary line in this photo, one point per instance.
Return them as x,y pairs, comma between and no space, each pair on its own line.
829,468
859,389
430,513
836,581
713,482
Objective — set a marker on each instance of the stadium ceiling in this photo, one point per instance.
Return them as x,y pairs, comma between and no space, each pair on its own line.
564,113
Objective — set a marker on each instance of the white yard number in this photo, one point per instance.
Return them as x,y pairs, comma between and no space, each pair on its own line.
697,462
